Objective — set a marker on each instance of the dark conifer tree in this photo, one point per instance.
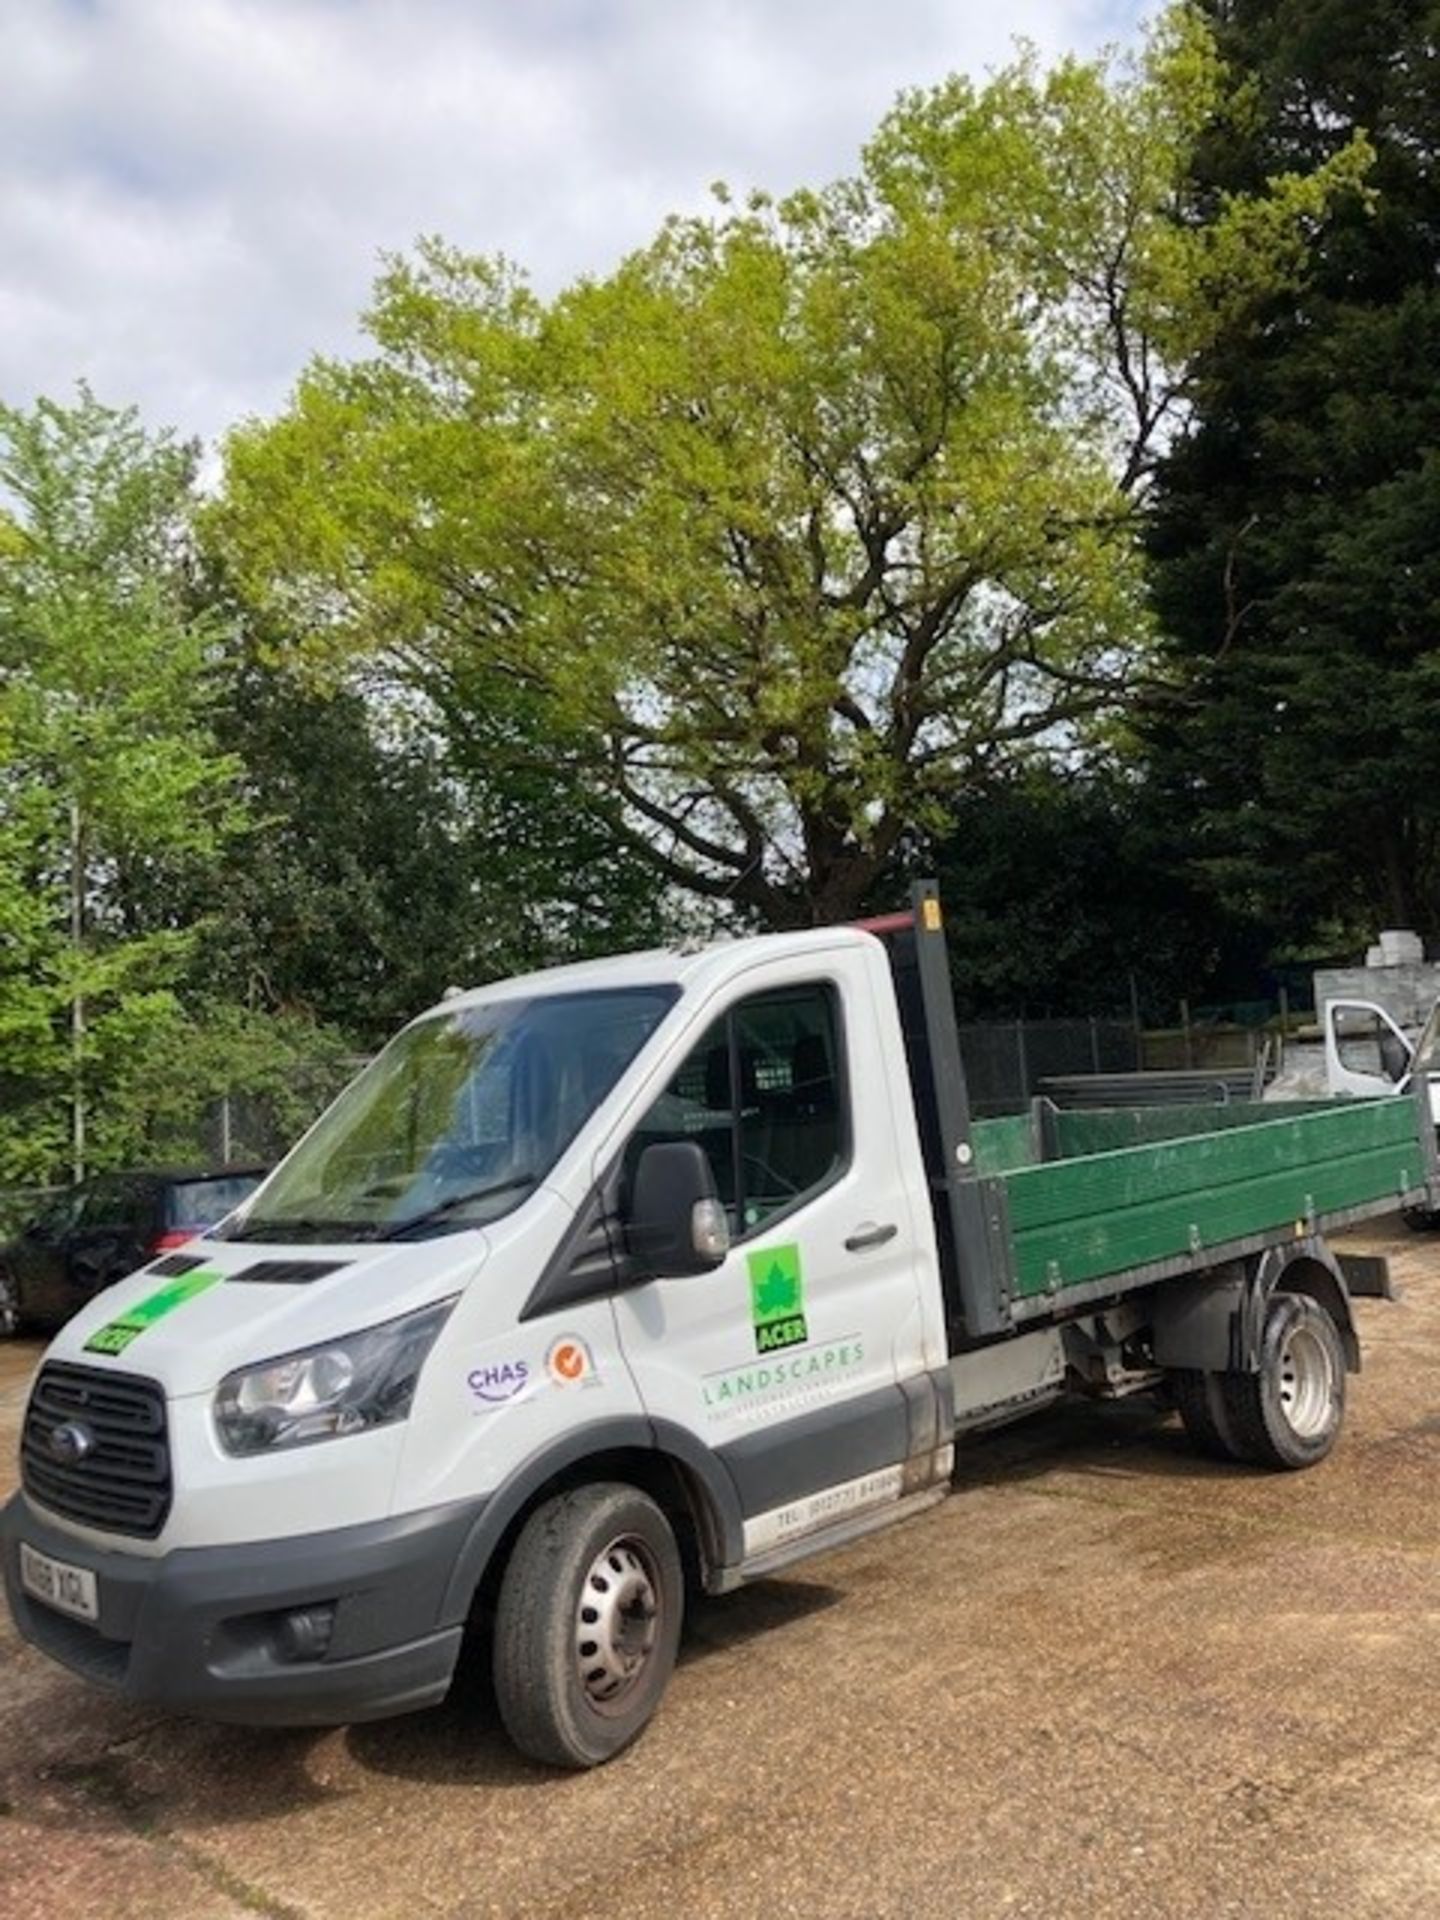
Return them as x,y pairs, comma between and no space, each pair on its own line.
1297,521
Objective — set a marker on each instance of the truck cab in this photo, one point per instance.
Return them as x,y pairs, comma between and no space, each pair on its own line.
259,1465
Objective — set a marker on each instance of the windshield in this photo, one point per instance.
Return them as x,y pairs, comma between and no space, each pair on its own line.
457,1120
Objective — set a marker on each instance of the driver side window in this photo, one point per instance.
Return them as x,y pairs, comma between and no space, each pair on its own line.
762,1093
59,1215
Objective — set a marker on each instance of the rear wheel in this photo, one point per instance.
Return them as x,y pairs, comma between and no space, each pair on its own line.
1290,1413
587,1624
1201,1400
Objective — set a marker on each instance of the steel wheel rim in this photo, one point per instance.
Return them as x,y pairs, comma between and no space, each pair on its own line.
1307,1383
617,1622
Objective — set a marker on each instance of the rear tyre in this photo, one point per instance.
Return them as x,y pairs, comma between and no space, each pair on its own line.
1201,1400
1290,1413
10,1317
1421,1219
587,1624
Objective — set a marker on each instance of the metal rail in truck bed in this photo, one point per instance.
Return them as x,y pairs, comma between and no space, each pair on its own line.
1033,1222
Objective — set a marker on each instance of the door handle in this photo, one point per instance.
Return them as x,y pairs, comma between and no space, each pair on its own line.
869,1235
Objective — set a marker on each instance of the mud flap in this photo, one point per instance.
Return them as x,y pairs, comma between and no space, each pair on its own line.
1367,1275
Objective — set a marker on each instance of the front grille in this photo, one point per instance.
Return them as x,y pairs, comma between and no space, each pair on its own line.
123,1484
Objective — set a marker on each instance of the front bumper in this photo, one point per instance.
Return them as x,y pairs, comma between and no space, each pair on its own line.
203,1630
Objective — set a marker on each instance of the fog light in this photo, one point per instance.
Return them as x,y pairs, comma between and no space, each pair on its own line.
305,1633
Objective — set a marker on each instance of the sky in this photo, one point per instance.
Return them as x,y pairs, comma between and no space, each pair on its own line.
195,195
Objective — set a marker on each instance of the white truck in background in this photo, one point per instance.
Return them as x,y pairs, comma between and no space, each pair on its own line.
1369,1057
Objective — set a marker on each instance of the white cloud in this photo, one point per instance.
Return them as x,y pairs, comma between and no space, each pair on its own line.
193,197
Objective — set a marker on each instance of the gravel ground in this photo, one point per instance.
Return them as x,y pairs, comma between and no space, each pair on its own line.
1106,1678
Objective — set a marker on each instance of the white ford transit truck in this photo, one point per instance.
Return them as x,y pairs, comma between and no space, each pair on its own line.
662,1271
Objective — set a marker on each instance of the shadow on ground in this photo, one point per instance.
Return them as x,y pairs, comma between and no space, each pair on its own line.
1140,1436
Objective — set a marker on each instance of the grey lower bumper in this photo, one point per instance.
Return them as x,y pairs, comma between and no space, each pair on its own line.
204,1630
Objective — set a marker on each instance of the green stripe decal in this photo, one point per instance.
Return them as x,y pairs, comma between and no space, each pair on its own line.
116,1335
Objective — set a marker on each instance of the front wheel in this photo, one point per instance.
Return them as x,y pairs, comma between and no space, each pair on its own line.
1289,1414
587,1624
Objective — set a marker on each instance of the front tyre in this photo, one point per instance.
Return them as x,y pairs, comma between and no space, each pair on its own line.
1289,1414
587,1624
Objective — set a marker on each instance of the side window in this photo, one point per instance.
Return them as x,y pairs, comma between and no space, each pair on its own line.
697,1105
143,1209
104,1204
791,1138
761,1093
60,1215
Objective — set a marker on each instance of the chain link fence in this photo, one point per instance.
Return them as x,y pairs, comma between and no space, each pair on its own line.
242,1129
251,1130
1005,1060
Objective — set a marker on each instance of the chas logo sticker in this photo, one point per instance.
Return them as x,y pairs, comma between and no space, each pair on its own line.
777,1299
496,1385
570,1363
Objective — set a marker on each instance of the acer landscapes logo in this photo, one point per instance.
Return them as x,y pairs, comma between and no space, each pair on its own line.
777,1299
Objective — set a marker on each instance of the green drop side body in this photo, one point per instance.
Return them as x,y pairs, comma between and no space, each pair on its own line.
1044,1213
1198,1183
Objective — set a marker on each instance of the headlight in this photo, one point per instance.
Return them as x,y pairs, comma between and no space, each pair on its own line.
347,1386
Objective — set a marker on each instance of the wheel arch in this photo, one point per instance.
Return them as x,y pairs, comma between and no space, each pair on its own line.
1214,1322
1306,1267
679,1473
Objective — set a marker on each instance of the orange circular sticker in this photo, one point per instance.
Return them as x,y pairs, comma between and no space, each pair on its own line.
568,1362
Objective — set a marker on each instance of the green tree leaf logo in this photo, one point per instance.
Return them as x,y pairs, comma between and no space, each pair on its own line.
777,1293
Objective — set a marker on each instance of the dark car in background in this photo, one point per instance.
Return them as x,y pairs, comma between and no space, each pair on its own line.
95,1233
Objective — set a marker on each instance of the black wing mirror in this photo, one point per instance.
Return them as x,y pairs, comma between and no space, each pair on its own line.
675,1224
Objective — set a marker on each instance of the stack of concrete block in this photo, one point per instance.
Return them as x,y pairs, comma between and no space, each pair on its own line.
1398,947
1396,976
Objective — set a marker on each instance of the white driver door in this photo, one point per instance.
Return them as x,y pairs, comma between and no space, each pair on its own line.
1366,1054
786,1361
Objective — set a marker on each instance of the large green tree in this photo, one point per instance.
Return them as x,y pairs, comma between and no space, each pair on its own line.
391,857
108,762
810,514
1298,578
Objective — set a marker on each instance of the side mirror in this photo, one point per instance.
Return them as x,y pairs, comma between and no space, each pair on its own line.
675,1224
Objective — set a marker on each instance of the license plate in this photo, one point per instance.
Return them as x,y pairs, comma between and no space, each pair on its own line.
71,1589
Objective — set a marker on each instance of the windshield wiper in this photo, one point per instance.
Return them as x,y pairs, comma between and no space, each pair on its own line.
444,1207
